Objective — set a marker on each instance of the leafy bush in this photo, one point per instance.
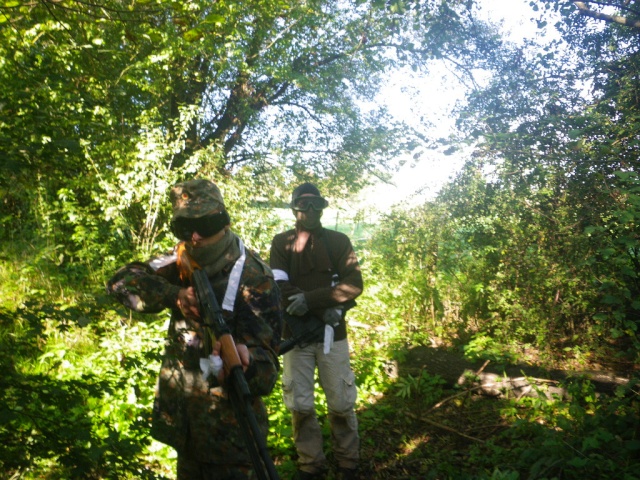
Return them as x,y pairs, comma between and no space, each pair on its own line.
483,347
71,410
589,436
427,387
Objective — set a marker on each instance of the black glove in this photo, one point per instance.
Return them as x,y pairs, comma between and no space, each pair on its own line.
332,316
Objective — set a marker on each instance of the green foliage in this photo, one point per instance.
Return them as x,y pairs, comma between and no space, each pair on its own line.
616,262
280,439
559,173
427,387
589,436
105,107
499,475
483,347
69,410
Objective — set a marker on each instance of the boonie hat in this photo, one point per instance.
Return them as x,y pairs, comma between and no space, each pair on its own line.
195,198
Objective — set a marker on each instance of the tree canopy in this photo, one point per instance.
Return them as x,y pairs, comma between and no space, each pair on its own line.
107,97
531,253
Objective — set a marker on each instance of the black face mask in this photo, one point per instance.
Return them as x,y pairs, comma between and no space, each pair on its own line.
206,226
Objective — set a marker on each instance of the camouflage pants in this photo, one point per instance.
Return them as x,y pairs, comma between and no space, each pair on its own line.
190,469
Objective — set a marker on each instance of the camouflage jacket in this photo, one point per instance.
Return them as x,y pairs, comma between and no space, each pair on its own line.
191,413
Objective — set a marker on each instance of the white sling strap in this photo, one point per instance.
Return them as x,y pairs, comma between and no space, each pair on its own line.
234,280
213,364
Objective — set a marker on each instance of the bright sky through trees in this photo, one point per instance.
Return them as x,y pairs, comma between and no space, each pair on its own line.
422,177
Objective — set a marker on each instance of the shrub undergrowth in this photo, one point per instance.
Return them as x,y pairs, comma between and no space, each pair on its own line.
80,373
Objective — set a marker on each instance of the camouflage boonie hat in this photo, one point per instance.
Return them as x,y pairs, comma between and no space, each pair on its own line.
196,198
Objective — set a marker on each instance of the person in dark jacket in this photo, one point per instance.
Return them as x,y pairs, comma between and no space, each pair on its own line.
319,277
192,412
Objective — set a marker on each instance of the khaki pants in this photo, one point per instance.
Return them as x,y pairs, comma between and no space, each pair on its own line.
338,383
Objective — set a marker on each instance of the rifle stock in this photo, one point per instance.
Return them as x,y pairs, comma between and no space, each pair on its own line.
239,393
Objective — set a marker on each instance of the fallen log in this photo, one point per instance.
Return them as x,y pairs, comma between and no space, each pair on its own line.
517,380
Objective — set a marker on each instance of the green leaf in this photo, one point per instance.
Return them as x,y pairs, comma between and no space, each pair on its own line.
632,445
578,462
575,133
214,18
193,35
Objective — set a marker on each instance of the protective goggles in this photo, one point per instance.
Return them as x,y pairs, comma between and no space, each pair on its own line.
205,226
303,204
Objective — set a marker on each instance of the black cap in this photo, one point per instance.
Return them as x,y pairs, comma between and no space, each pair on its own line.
305,188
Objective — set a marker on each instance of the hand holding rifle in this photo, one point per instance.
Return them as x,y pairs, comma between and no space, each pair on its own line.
243,354
188,303
217,339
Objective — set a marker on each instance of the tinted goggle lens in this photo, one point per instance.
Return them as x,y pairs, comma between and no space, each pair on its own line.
205,226
303,204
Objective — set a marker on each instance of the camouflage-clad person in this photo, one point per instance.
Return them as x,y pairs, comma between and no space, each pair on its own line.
191,411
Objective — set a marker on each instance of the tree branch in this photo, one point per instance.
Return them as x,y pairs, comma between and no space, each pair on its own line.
583,9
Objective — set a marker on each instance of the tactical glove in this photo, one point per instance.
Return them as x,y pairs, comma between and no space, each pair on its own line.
332,316
298,305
